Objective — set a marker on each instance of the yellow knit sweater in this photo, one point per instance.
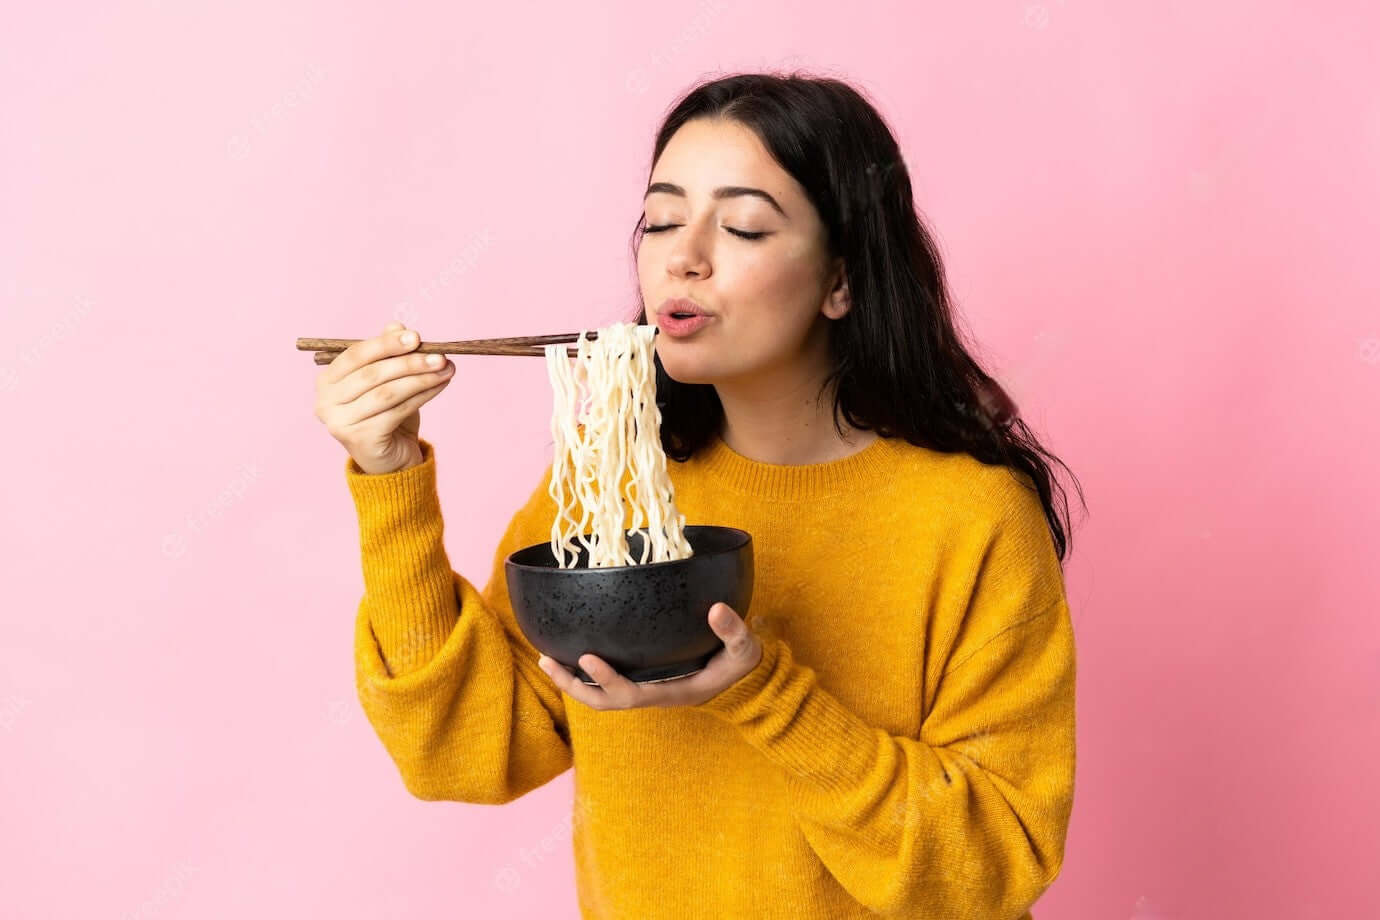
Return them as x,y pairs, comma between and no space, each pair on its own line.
905,748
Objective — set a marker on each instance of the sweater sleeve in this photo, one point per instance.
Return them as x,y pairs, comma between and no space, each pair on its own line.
444,674
973,812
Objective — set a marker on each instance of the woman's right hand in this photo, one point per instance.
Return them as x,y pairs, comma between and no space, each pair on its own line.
369,398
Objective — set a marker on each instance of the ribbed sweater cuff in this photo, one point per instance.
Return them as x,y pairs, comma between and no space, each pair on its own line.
408,583
784,713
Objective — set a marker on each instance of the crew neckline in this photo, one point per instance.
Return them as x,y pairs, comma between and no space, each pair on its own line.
869,466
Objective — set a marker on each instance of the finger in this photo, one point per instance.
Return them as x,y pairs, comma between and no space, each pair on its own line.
724,620
387,412
570,685
729,627
366,351
394,326
618,687
554,670
380,372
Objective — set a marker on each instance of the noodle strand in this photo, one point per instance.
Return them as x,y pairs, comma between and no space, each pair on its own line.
605,426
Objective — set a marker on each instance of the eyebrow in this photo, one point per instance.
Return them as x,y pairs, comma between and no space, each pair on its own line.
723,191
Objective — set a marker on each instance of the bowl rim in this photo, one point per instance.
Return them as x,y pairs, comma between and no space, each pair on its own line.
744,541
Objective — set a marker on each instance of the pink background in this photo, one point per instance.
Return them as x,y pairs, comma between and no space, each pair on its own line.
1160,221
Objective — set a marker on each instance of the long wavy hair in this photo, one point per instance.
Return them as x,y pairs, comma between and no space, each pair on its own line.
898,364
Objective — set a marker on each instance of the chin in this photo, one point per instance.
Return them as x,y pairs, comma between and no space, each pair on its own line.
685,371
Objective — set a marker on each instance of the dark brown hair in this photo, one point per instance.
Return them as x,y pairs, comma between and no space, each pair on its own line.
899,366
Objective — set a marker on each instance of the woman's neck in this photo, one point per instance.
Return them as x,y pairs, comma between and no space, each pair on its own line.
775,418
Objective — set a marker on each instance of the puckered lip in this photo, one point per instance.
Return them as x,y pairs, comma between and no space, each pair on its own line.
680,305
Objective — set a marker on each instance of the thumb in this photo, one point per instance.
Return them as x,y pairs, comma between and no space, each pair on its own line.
728,626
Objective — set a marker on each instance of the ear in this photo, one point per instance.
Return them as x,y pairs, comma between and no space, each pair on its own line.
837,302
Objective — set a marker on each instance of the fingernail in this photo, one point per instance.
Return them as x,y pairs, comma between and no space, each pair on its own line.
408,338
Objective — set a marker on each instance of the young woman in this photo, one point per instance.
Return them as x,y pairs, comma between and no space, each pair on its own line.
891,731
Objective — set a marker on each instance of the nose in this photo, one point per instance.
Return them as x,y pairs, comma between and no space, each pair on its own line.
689,257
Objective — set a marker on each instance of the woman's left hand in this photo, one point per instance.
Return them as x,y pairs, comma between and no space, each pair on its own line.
741,653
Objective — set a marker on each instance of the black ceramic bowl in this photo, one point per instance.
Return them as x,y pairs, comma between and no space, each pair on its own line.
649,622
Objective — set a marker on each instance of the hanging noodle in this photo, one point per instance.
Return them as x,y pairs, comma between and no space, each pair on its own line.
611,392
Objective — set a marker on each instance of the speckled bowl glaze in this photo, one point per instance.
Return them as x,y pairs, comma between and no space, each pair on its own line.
649,622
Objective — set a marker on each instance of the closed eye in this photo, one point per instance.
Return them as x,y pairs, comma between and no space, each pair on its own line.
743,233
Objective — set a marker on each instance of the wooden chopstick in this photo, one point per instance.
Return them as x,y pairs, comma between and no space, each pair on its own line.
525,345
326,357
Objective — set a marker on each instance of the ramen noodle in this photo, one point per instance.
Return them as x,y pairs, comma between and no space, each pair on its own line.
606,426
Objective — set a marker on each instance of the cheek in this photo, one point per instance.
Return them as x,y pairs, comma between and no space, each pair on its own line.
779,287
642,261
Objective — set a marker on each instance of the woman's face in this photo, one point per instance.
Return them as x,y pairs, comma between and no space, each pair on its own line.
771,298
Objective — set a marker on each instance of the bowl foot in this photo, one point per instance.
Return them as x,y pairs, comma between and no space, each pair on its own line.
657,675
